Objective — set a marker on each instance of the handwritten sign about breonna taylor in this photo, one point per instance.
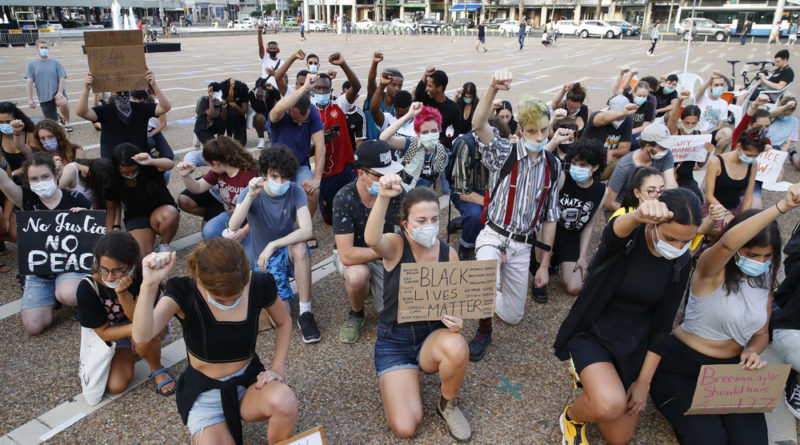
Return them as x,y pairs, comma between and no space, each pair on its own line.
690,147
116,60
315,436
428,291
770,164
726,389
58,241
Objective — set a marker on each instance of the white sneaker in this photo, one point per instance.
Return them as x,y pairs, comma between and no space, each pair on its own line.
164,248
261,143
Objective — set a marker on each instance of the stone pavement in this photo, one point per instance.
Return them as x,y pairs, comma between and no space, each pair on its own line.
335,383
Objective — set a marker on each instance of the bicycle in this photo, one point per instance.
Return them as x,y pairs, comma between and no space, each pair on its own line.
747,81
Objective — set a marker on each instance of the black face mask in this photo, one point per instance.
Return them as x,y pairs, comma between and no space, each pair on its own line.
566,148
273,53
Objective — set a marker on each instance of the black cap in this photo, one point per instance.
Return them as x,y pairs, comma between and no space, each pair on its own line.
376,155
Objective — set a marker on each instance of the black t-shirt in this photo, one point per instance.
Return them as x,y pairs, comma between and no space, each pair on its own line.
263,105
356,125
644,280
69,199
577,204
95,310
451,115
663,99
114,132
149,193
785,74
645,113
350,214
610,136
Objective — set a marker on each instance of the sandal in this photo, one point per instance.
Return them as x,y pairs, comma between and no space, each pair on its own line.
164,383
312,243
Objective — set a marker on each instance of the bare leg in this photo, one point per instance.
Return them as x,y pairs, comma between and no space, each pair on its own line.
275,402
66,291
37,319
402,404
313,202
298,254
121,372
63,107
164,222
603,402
446,352
259,121
356,285
145,238
188,205
571,278
151,351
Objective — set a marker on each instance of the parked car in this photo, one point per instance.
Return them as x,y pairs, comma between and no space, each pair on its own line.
430,25
241,24
567,27
627,28
402,24
316,25
290,21
598,28
705,27
51,24
512,27
495,23
365,24
271,22
463,23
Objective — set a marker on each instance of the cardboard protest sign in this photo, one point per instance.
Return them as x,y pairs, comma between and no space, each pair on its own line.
58,241
726,389
464,289
770,164
311,437
116,60
690,147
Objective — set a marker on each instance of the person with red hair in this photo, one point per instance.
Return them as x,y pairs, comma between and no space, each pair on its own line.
423,156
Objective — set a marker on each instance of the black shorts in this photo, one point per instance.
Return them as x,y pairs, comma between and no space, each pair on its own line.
566,247
207,201
137,222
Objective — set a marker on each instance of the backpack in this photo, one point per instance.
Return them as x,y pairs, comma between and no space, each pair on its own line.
508,166
464,141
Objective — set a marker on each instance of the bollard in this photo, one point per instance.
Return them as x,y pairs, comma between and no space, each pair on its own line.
706,39
753,39
729,39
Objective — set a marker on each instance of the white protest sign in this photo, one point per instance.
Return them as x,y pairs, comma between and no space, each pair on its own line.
770,164
690,147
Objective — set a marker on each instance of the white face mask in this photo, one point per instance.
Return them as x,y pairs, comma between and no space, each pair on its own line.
424,234
666,249
617,123
44,189
429,140
658,155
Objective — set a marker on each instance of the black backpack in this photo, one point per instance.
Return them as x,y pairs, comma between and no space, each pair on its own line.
465,141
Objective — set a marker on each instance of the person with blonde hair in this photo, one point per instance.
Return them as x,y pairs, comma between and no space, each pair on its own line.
523,200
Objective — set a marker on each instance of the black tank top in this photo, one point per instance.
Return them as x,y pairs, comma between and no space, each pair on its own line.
577,204
14,160
391,279
727,190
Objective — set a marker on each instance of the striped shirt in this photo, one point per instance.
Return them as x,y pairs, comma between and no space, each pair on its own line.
530,187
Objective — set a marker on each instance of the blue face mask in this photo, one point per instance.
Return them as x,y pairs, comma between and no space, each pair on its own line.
221,306
580,174
752,268
669,90
44,52
6,129
373,189
313,68
638,100
467,100
278,189
322,99
746,159
717,92
534,147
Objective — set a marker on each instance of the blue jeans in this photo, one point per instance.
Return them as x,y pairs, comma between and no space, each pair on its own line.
39,291
214,227
398,345
470,220
521,40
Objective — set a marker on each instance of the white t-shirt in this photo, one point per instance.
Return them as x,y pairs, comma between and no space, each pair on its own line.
267,63
713,110
406,130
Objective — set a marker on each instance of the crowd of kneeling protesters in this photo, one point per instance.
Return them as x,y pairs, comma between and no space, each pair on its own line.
531,181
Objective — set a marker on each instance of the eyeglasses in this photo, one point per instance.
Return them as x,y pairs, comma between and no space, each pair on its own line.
370,172
116,272
653,192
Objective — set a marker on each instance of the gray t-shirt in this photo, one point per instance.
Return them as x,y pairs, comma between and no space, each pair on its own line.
624,171
273,218
45,75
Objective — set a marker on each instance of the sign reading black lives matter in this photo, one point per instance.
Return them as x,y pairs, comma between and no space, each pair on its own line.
58,241
464,289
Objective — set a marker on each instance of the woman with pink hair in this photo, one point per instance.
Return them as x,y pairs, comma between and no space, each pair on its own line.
423,157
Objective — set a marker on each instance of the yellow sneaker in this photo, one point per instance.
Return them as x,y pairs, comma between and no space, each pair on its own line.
574,433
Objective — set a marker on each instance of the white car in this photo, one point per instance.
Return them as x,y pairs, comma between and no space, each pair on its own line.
598,28
512,27
402,24
365,24
567,27
242,24
316,25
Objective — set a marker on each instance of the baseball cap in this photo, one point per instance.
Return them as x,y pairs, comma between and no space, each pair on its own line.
618,102
657,133
376,155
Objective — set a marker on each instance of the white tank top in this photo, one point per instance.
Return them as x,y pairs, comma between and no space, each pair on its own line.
723,316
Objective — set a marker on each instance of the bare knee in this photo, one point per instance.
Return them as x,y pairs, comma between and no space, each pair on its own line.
356,276
117,383
36,320
298,252
404,427
608,407
574,288
455,348
283,403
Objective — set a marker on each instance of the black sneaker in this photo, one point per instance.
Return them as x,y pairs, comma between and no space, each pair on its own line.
308,326
482,338
539,294
792,397
466,253
454,225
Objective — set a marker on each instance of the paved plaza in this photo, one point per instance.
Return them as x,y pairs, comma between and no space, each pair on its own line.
335,383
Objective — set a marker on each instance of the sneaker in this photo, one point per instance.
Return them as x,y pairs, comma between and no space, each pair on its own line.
455,420
573,432
261,143
466,253
478,344
792,398
308,326
539,294
164,248
351,328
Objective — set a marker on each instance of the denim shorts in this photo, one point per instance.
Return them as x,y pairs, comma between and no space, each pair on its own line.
398,345
39,291
207,408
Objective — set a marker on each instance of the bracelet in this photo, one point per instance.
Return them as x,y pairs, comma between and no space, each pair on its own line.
779,209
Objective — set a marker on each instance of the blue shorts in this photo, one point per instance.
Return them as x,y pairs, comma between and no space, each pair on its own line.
302,175
40,292
207,408
398,345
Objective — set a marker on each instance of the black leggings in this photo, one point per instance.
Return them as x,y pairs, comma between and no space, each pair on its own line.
672,390
653,46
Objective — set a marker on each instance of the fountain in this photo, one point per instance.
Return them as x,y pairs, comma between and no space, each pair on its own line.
132,19
116,19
